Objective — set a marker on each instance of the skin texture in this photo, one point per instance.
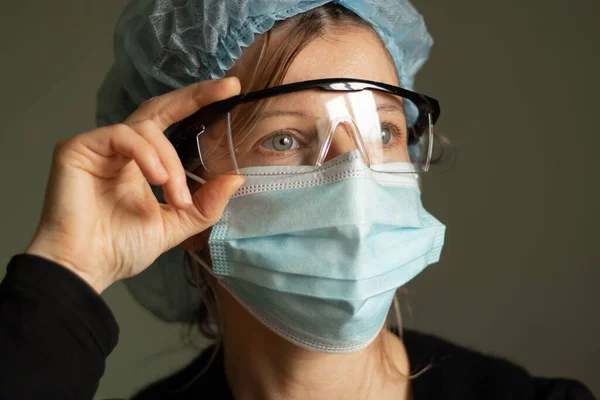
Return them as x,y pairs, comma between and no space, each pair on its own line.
259,363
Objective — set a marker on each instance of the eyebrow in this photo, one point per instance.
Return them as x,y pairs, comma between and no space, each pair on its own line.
305,115
277,113
390,107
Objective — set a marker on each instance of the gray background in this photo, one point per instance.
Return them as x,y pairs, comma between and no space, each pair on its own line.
517,83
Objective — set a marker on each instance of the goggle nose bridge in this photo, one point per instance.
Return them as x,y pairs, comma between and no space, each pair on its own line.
354,134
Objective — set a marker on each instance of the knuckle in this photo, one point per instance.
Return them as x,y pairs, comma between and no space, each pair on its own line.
199,99
154,110
162,118
152,120
149,103
121,129
144,127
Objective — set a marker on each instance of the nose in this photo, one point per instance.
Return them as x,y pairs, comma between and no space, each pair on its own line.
345,139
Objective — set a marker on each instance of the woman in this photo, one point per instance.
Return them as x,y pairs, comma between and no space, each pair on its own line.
305,216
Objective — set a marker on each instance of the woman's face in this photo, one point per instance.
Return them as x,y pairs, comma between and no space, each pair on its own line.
348,53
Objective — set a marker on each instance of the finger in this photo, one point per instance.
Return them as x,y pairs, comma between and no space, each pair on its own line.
120,139
174,106
176,189
209,202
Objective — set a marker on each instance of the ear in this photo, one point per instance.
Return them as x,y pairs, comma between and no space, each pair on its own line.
197,242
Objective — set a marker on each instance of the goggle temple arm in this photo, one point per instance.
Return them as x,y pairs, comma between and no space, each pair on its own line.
194,177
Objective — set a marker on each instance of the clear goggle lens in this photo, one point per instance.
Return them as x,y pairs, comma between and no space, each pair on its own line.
309,127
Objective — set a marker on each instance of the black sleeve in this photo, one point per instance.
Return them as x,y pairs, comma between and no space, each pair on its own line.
459,372
55,332
561,389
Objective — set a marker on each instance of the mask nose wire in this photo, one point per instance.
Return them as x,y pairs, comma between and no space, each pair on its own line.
354,134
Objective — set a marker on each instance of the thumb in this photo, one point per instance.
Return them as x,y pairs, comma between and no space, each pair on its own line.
209,202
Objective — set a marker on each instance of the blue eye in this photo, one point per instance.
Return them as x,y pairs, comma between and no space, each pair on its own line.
386,134
281,142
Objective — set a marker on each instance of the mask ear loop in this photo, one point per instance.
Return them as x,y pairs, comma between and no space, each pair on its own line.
203,264
194,177
397,314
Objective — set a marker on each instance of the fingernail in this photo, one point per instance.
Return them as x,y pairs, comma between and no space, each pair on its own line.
241,179
162,172
186,196
231,78
232,81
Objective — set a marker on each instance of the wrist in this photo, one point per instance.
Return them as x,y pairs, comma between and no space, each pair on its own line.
96,281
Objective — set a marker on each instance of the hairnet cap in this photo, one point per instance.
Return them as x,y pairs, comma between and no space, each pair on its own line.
162,45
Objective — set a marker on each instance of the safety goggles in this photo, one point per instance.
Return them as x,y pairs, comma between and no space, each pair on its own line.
306,123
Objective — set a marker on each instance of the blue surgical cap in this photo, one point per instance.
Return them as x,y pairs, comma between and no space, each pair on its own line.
163,45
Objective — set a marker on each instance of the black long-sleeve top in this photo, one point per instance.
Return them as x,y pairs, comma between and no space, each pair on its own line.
56,332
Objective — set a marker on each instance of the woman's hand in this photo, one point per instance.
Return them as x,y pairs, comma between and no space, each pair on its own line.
100,218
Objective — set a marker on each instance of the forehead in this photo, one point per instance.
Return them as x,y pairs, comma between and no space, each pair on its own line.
349,53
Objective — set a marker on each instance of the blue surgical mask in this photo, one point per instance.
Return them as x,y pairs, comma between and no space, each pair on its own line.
317,257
